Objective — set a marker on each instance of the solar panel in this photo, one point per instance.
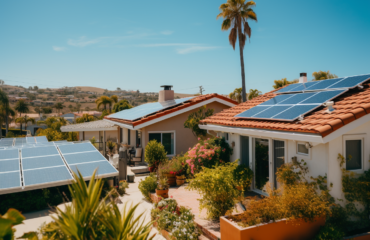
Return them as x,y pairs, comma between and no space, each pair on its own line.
75,148
83,157
9,154
147,109
289,107
46,175
87,169
9,165
39,151
30,139
42,162
10,180
351,81
41,139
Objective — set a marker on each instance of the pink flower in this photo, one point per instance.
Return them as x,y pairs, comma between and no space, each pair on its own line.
198,138
171,197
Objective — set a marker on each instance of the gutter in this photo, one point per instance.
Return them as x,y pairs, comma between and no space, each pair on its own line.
120,124
314,138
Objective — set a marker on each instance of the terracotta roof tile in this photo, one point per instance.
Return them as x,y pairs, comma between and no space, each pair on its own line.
164,112
350,106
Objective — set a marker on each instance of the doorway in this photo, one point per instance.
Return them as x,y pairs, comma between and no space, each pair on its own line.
261,163
279,158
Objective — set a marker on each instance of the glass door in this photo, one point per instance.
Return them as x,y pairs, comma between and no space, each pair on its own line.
279,158
261,167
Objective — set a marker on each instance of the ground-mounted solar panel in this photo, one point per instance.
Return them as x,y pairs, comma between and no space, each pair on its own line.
78,147
31,140
87,169
46,176
9,154
290,107
9,165
39,151
10,180
83,157
42,162
147,109
41,139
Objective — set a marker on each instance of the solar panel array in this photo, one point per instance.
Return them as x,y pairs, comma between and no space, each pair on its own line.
32,163
147,109
296,100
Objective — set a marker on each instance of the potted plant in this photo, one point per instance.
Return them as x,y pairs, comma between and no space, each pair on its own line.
162,188
243,176
154,155
111,145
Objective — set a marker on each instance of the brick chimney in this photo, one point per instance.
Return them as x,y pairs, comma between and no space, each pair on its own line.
166,94
302,77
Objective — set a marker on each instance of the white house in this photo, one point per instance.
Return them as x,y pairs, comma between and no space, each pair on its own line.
314,121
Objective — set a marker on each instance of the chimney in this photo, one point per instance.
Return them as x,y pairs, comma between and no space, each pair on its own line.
302,77
166,94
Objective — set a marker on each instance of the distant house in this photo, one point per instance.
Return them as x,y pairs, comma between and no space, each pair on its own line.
163,121
70,117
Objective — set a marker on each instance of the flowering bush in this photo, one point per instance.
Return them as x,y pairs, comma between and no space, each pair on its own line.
208,153
175,166
178,221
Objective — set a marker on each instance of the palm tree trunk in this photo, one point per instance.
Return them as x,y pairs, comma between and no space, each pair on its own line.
244,93
6,123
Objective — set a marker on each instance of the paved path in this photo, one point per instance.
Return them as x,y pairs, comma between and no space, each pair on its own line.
35,219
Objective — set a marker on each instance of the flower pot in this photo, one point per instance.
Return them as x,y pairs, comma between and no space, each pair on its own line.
180,177
278,230
151,169
169,175
162,193
171,181
180,182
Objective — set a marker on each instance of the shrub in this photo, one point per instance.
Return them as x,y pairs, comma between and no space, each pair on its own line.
243,175
178,221
11,218
330,232
208,153
122,187
148,185
217,189
174,166
155,154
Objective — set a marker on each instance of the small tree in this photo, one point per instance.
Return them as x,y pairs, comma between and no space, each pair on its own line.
253,93
155,153
194,118
121,105
322,75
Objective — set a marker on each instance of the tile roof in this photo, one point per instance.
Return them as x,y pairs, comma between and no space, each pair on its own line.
164,112
95,125
348,107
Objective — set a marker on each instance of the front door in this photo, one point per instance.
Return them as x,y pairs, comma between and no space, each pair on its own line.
261,166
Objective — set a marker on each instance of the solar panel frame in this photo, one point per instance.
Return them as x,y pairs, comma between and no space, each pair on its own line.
42,162
87,169
75,158
41,139
39,151
10,181
9,154
46,176
10,165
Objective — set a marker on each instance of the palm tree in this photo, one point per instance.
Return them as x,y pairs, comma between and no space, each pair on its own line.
103,101
58,106
236,95
85,118
26,120
6,109
22,107
236,14
54,123
20,120
114,98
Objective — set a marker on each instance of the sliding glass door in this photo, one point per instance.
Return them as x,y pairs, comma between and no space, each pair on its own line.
261,163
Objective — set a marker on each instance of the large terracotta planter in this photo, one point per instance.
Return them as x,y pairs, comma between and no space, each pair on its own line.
171,179
280,230
162,193
164,233
180,177
180,182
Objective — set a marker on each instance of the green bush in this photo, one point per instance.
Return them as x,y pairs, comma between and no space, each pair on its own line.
217,189
243,175
155,153
330,232
122,187
148,185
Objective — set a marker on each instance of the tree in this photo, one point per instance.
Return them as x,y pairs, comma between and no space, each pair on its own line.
121,105
322,75
38,110
47,110
114,98
22,107
36,88
118,89
253,93
20,121
103,101
58,106
236,14
5,109
236,95
26,120
283,82
54,123
85,118
194,118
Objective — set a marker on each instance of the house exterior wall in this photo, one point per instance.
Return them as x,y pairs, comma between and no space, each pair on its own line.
109,135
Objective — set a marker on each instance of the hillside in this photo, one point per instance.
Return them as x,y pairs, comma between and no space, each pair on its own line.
92,89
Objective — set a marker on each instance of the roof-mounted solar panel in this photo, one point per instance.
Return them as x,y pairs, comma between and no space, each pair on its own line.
290,107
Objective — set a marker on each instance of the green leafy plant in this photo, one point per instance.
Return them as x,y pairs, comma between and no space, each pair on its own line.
217,189
155,153
122,187
162,183
111,145
331,232
194,118
243,175
11,218
148,185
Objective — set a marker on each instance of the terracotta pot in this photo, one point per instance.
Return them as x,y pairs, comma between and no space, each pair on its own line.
180,182
162,193
171,181
279,230
169,175
181,177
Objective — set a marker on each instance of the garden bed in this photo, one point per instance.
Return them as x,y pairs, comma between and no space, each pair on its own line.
279,230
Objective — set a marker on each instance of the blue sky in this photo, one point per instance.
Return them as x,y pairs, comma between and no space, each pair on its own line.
144,44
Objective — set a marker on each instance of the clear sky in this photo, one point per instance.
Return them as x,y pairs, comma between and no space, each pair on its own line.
144,44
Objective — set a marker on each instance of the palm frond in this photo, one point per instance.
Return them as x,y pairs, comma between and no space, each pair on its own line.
247,30
232,37
226,24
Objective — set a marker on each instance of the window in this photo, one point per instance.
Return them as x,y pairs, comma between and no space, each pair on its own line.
353,154
167,139
302,149
128,137
227,136
138,138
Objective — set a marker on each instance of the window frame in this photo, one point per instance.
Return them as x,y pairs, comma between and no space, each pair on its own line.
301,153
355,137
174,140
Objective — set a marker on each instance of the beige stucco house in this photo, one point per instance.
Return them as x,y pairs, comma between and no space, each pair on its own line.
163,120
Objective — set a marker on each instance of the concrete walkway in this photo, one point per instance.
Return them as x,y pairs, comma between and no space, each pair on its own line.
35,219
